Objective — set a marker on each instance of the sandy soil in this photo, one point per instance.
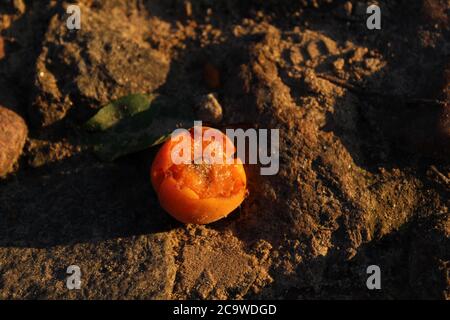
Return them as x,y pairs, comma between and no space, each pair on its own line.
365,146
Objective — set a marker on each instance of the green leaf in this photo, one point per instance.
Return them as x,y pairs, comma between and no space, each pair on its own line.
118,110
134,123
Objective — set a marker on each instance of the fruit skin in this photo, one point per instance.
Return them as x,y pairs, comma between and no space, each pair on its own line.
182,202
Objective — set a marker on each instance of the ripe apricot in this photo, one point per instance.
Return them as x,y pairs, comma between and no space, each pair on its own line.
199,192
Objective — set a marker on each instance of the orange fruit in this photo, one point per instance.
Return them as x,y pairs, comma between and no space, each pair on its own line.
199,192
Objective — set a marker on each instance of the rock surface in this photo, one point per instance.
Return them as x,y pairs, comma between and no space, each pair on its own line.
105,61
13,134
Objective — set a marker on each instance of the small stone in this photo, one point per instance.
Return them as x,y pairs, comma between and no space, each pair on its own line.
330,45
358,55
188,8
19,5
296,56
313,50
373,64
13,134
315,84
348,7
2,48
339,64
208,109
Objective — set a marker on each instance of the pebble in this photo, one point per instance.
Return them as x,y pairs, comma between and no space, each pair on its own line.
13,134
330,45
339,64
348,7
188,8
358,55
20,6
295,55
208,109
313,50
2,48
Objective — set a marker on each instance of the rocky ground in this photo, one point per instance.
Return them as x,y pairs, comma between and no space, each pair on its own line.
365,146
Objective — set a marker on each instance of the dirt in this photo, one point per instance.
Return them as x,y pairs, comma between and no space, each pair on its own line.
364,150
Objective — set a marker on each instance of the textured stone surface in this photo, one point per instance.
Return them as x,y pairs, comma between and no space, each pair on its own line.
106,59
13,134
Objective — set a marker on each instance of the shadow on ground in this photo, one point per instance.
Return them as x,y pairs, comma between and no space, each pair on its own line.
76,201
